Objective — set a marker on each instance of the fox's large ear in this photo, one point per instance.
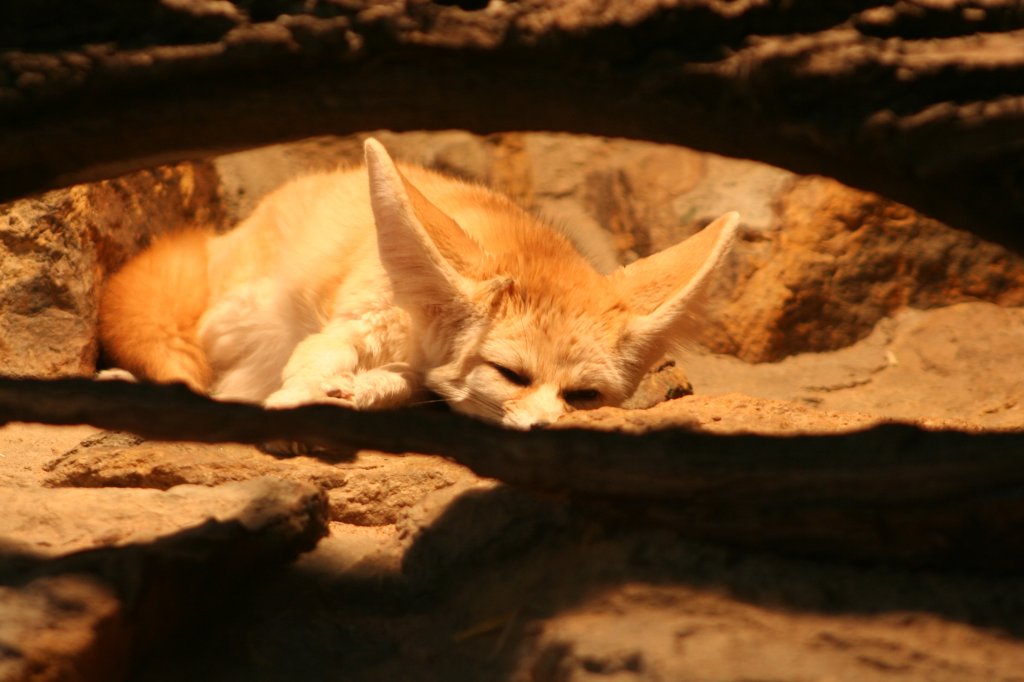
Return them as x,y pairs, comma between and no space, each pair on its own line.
664,288
421,247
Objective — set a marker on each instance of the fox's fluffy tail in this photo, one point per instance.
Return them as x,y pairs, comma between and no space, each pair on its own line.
150,309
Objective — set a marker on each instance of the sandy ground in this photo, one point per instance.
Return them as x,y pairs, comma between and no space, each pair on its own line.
26,448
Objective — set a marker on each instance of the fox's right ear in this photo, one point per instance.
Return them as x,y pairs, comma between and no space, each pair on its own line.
421,247
664,288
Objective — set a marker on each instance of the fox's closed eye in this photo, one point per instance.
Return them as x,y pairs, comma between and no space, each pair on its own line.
581,395
510,375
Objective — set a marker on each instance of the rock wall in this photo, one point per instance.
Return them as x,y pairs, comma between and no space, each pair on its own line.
818,266
56,247
835,261
916,100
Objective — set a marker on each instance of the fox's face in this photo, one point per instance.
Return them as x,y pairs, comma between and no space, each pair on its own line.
529,362
514,326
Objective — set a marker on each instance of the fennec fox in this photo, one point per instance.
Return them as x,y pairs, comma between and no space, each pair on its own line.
367,287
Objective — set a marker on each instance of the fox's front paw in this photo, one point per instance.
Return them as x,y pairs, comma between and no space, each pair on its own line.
339,388
382,388
375,389
334,391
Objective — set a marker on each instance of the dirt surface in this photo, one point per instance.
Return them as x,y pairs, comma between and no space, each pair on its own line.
26,448
430,573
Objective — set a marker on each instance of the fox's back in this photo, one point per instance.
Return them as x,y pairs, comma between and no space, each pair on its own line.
318,233
311,232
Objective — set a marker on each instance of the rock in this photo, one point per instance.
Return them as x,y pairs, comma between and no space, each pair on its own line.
960,362
460,526
64,628
55,248
372,489
94,577
119,460
818,266
380,489
47,289
730,413
627,188
26,448
668,632
54,522
248,176
355,553
956,366
836,263
665,381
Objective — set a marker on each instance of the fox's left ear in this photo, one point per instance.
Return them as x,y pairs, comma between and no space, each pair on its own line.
663,288
421,247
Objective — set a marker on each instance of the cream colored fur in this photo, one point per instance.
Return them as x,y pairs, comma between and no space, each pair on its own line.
369,286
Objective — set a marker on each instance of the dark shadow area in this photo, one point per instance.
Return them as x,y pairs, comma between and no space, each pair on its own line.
476,583
161,588
918,104
572,553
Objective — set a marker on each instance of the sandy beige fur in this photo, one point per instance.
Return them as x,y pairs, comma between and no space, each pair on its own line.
367,286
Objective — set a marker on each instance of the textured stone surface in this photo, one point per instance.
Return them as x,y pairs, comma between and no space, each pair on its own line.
26,448
62,628
955,367
726,413
429,572
917,101
836,262
370,490
959,364
55,248
117,460
92,578
54,523
381,488
678,633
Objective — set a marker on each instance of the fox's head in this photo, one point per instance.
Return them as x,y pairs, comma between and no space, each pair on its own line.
517,328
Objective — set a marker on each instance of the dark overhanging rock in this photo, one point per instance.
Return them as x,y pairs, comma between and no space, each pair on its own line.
893,492
920,102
